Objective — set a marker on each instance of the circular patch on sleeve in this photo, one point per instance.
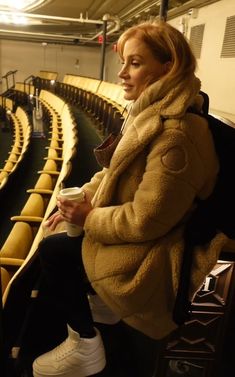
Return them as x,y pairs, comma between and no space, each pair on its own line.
174,159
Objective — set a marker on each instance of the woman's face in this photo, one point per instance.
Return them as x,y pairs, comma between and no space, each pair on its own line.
140,68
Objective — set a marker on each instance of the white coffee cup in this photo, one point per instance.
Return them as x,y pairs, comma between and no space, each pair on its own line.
77,194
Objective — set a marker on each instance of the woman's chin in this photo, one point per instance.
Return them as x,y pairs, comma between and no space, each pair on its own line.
129,96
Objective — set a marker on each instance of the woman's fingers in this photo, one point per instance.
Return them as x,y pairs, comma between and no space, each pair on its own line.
53,220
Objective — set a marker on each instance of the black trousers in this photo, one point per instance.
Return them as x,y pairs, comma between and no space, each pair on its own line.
64,280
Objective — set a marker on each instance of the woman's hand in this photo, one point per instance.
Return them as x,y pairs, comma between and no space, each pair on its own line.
74,212
53,220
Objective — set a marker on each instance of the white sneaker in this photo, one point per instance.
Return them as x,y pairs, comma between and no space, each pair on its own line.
75,357
101,313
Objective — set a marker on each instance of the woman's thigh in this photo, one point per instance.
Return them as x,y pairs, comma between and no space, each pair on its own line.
59,248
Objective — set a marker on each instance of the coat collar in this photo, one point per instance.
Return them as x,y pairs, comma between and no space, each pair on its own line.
145,121
170,100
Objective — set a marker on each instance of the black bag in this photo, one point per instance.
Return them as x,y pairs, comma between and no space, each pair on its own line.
216,213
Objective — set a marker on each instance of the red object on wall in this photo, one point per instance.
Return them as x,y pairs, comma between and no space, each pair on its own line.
100,38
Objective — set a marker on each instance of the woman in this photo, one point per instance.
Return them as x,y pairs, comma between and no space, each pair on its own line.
136,207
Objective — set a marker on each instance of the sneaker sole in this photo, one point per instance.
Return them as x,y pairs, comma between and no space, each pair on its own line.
89,370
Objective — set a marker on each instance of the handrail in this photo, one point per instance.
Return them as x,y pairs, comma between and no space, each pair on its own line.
29,77
7,75
32,78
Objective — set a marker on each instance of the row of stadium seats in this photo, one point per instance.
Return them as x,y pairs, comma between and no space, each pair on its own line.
21,133
27,230
102,100
6,103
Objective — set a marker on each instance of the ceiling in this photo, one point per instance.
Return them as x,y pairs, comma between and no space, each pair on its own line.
82,21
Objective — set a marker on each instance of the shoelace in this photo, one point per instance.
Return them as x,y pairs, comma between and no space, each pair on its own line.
63,349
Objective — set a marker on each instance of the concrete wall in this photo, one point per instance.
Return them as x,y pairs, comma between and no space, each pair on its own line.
217,74
30,58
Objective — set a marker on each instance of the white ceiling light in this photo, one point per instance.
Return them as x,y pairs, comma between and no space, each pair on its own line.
13,19
22,5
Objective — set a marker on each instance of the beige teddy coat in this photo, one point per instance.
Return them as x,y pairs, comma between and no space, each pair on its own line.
133,241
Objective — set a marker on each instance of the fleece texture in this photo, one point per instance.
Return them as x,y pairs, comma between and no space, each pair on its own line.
133,244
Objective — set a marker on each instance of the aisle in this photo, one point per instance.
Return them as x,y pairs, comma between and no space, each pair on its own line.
14,197
84,163
5,143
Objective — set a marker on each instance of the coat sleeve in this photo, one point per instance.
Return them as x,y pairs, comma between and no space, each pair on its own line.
176,171
94,183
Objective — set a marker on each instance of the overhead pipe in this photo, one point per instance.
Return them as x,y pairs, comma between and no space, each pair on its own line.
117,23
52,37
39,35
111,28
52,18
52,41
137,8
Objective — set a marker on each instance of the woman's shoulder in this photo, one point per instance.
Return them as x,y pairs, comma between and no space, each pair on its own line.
191,124
191,133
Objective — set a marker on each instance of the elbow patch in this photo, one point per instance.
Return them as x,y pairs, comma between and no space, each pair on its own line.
174,159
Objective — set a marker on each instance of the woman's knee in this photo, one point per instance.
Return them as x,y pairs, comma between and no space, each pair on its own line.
60,246
51,246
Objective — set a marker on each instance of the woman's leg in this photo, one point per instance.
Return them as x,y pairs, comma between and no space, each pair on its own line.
82,353
64,279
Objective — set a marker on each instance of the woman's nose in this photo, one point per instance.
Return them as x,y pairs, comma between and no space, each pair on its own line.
123,73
